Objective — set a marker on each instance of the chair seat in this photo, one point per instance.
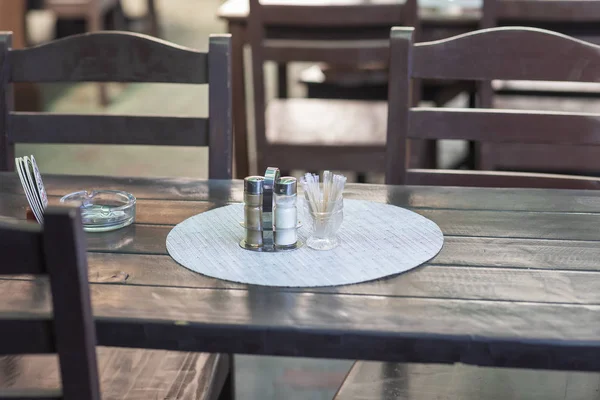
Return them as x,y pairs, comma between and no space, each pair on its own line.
125,374
391,381
316,122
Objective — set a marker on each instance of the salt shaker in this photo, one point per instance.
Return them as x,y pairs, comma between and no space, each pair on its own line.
253,198
286,212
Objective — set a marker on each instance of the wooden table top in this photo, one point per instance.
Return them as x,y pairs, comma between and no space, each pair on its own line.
516,284
238,10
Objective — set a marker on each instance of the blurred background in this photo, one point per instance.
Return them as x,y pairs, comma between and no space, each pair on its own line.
187,23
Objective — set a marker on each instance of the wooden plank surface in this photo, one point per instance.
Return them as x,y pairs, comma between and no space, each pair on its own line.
430,281
187,189
126,374
389,381
512,334
21,248
515,284
483,224
504,271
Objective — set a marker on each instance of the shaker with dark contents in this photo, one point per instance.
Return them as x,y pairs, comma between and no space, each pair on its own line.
253,198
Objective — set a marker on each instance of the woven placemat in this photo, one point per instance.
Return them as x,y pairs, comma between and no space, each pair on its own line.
377,240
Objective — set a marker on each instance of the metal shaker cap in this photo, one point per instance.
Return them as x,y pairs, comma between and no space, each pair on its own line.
286,185
254,184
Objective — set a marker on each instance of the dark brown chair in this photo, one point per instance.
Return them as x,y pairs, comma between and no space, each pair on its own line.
498,53
58,251
395,381
94,13
575,18
119,57
315,134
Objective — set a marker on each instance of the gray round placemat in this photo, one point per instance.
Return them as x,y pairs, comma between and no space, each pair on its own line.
377,240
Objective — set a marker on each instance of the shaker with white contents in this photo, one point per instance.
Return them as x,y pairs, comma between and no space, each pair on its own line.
285,212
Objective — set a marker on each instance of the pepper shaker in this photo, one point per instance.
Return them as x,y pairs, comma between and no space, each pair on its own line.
253,213
286,212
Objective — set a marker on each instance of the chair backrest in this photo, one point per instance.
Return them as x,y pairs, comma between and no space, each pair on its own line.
119,57
499,53
351,33
58,251
577,18
540,12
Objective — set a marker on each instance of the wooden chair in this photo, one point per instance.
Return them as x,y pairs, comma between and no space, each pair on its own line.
578,19
121,57
498,53
94,13
315,134
395,381
58,251
12,18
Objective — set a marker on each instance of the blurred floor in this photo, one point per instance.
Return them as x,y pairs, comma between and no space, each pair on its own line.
188,23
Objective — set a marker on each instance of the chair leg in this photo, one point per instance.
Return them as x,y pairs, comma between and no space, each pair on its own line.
103,94
228,390
153,16
95,23
119,22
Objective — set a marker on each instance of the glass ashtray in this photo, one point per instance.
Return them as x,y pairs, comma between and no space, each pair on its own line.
103,210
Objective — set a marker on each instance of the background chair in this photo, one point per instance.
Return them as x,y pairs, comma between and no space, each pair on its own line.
120,57
579,19
499,53
58,251
319,134
94,13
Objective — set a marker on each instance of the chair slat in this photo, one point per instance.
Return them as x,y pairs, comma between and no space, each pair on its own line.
348,15
109,57
543,11
508,53
220,100
499,179
21,247
27,334
504,126
108,129
30,394
354,52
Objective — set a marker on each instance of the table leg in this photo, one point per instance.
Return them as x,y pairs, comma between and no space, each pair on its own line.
228,390
240,123
282,81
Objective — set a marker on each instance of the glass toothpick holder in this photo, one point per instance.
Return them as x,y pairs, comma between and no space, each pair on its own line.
325,219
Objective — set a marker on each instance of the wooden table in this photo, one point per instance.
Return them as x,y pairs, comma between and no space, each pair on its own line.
517,283
435,25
